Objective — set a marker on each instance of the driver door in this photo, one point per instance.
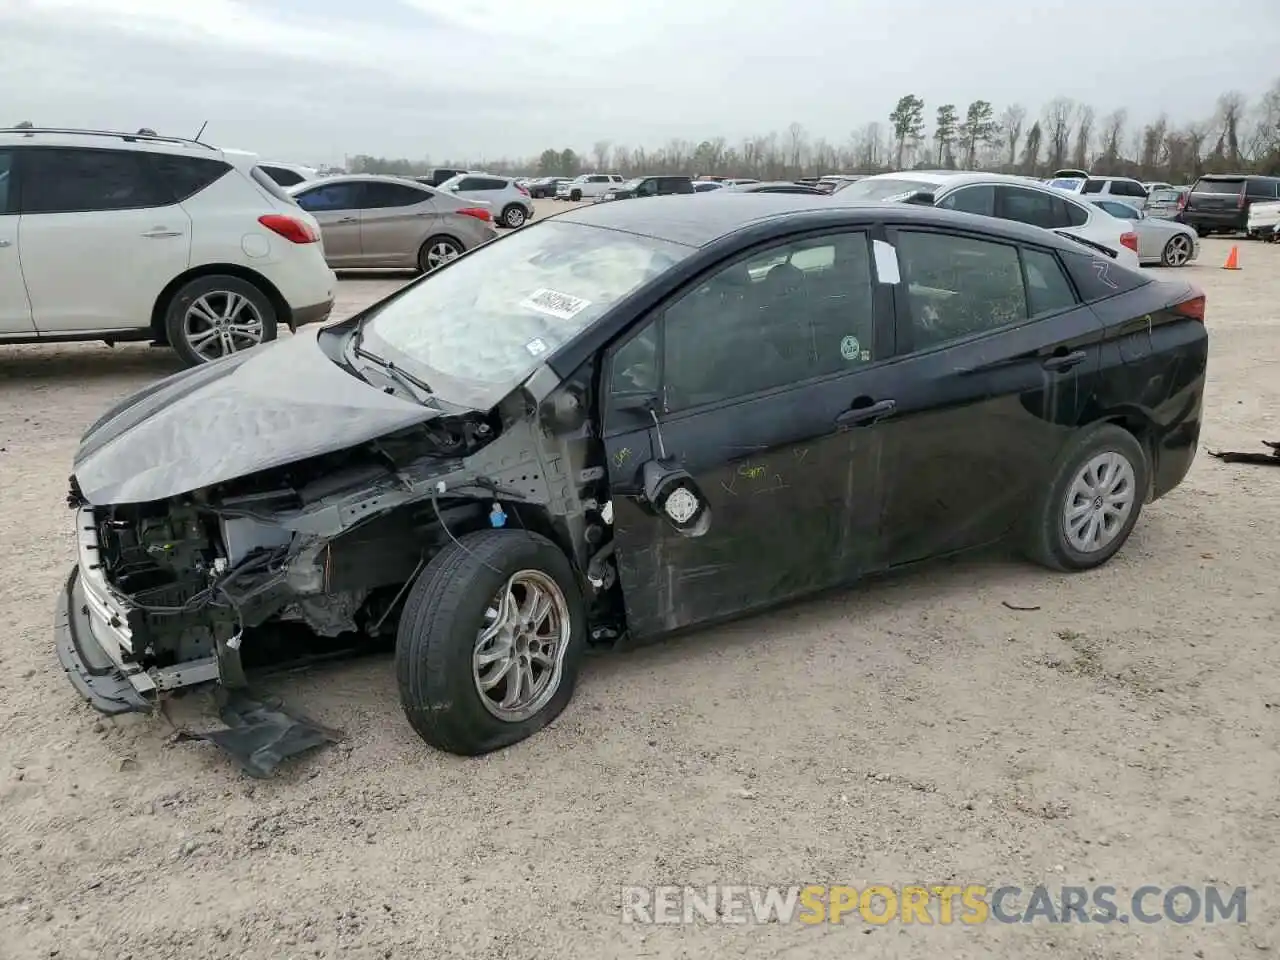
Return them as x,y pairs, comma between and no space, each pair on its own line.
756,381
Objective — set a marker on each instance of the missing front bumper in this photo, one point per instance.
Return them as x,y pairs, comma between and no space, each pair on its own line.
93,673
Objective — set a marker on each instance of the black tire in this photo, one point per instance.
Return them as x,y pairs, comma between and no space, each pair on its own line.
1167,255
442,616
435,244
513,216
1046,539
1203,232
217,290
575,195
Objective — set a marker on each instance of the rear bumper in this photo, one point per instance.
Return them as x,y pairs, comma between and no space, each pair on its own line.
95,675
1216,220
316,313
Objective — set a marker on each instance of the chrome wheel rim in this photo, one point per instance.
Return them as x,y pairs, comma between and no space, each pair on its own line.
440,253
515,217
1178,251
1099,502
518,659
220,323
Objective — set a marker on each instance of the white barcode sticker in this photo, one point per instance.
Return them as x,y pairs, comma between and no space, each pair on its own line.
537,346
554,303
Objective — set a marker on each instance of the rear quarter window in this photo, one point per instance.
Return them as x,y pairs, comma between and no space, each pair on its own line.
187,176
1096,277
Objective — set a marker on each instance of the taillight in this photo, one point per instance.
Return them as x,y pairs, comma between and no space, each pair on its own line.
293,230
1192,308
480,213
1182,201
522,189
1130,240
1240,201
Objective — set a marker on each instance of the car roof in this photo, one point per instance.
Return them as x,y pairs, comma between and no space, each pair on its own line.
361,178
680,219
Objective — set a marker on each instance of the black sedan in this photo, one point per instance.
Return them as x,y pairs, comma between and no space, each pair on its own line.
624,421
777,186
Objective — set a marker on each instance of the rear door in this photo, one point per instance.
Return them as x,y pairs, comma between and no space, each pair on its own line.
15,308
766,371
336,207
486,190
997,358
395,219
100,237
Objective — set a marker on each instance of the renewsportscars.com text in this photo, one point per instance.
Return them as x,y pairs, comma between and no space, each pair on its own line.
940,904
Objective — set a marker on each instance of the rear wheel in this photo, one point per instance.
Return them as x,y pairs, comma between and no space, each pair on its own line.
490,640
1202,232
575,195
1092,502
514,216
215,316
1177,251
438,251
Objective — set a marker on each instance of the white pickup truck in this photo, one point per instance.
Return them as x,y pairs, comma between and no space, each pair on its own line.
588,186
1264,219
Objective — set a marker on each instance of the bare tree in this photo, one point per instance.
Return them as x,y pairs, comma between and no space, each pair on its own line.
1230,115
1031,153
1057,126
1153,137
1111,137
1011,121
600,154
1084,136
795,147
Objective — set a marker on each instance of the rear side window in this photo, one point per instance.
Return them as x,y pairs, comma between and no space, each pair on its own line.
1261,187
980,200
1127,188
1217,186
1120,210
1036,207
1093,186
1077,216
959,287
73,180
1048,289
1098,277
392,195
263,179
187,176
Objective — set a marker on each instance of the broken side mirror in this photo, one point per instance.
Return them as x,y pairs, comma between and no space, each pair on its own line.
674,494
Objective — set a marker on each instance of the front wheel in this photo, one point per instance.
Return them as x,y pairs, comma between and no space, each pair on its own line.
1177,251
212,317
1092,502
575,196
490,640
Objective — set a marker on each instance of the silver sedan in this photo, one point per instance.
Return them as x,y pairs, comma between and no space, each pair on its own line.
1160,241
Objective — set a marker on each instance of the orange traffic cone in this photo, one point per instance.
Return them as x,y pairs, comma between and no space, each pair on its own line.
1233,259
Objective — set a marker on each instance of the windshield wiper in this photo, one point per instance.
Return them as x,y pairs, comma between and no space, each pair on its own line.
408,381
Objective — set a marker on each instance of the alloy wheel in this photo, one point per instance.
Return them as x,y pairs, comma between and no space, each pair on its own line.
515,217
518,658
220,323
440,253
1178,251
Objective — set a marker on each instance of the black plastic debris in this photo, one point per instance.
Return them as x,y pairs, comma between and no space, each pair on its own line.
1271,459
260,736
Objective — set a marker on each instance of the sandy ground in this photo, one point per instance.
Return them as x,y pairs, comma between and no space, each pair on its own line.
912,730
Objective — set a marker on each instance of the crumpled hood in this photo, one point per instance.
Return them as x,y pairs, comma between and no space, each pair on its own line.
273,405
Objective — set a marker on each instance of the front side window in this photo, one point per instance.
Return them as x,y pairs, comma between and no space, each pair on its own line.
1094,186
331,196
959,287
979,199
477,327
781,316
73,180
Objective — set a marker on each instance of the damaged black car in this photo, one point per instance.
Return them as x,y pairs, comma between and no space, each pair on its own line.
621,422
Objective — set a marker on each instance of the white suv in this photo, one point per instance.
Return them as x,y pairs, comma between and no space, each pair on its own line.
119,236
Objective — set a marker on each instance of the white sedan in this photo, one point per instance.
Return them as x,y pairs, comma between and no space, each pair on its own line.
1160,241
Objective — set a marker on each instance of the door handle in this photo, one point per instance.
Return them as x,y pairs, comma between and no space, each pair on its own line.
347,220
857,415
1066,361
160,232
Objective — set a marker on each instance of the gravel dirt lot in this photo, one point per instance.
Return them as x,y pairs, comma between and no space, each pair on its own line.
912,730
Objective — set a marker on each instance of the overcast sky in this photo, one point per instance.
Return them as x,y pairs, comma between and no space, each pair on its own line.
310,81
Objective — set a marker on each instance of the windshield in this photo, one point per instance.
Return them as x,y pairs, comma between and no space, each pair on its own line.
633,183
881,189
482,324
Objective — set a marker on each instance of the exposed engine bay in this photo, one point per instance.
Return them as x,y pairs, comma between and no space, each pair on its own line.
330,543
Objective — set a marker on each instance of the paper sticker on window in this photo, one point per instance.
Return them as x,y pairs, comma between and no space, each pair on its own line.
886,262
555,304
536,346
